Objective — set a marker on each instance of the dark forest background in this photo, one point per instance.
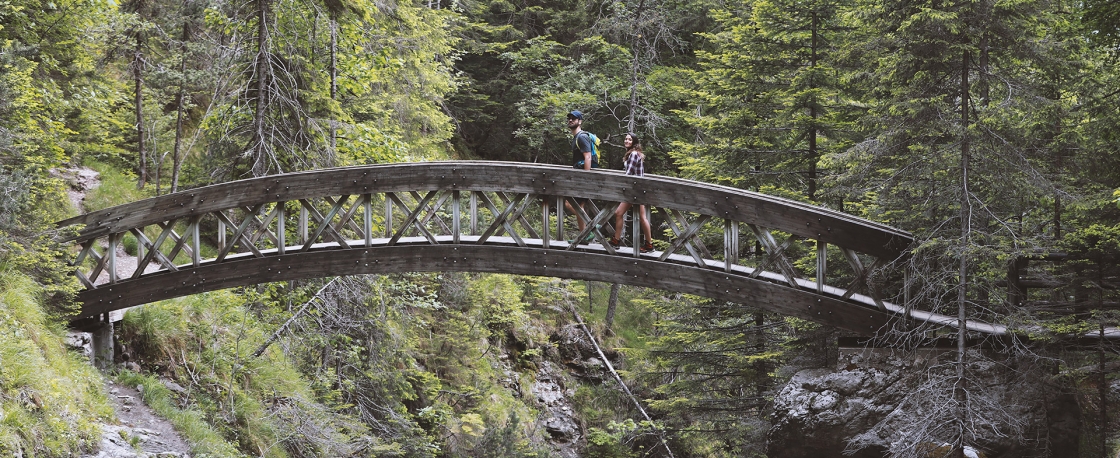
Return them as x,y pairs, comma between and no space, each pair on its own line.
988,129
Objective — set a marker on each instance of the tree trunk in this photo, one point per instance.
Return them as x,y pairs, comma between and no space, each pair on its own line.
138,75
334,87
611,304
761,384
635,69
1102,381
176,162
814,155
962,280
258,149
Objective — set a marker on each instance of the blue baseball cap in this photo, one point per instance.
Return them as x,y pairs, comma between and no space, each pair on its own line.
576,114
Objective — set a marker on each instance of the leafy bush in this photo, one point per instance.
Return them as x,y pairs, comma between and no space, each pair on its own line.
130,244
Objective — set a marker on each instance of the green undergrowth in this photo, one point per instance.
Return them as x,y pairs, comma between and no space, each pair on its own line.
116,188
232,403
416,365
51,399
189,422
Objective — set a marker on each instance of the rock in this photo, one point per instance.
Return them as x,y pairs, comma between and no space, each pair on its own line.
562,427
137,432
557,416
866,407
174,387
114,444
81,342
81,180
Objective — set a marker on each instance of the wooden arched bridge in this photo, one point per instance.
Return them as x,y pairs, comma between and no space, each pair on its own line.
492,217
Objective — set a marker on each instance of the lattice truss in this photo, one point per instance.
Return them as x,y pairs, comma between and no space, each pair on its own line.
468,217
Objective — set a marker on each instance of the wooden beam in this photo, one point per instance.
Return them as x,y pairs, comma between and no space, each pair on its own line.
583,265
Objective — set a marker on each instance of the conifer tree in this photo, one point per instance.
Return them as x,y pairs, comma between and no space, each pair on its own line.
769,102
943,165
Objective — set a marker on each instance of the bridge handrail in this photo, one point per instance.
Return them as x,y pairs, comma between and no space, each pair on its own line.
801,219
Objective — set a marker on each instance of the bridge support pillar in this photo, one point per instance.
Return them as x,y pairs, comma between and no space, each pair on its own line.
103,342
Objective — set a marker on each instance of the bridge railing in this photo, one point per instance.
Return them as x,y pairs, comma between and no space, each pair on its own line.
708,226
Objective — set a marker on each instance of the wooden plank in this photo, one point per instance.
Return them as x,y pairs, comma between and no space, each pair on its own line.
324,222
432,212
154,252
684,234
281,236
239,234
456,219
367,218
529,231
261,228
180,244
413,216
822,265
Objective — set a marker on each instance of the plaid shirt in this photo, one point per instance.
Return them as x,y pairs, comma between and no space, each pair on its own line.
635,164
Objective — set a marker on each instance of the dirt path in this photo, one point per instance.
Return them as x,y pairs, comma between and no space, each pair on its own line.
141,433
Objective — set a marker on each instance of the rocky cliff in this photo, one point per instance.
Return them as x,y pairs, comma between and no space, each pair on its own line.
879,402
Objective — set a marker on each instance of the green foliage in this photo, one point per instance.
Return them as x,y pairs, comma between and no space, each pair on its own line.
725,358
567,85
50,399
766,97
189,422
115,188
255,404
610,442
505,440
416,359
1094,241
1102,21
499,301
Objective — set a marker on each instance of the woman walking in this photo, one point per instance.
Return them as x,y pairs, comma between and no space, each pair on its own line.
634,164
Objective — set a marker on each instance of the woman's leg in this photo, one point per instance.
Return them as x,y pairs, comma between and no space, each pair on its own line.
645,224
619,213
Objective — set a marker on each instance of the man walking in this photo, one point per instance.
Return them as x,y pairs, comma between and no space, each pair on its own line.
582,158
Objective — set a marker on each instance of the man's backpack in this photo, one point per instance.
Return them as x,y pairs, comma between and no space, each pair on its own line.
594,140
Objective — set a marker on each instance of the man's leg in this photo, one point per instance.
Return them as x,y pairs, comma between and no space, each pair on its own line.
579,221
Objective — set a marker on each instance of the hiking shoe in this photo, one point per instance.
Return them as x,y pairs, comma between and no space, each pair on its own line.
615,242
584,241
647,247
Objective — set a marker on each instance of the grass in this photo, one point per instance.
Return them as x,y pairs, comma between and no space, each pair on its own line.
191,423
237,404
51,399
116,188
